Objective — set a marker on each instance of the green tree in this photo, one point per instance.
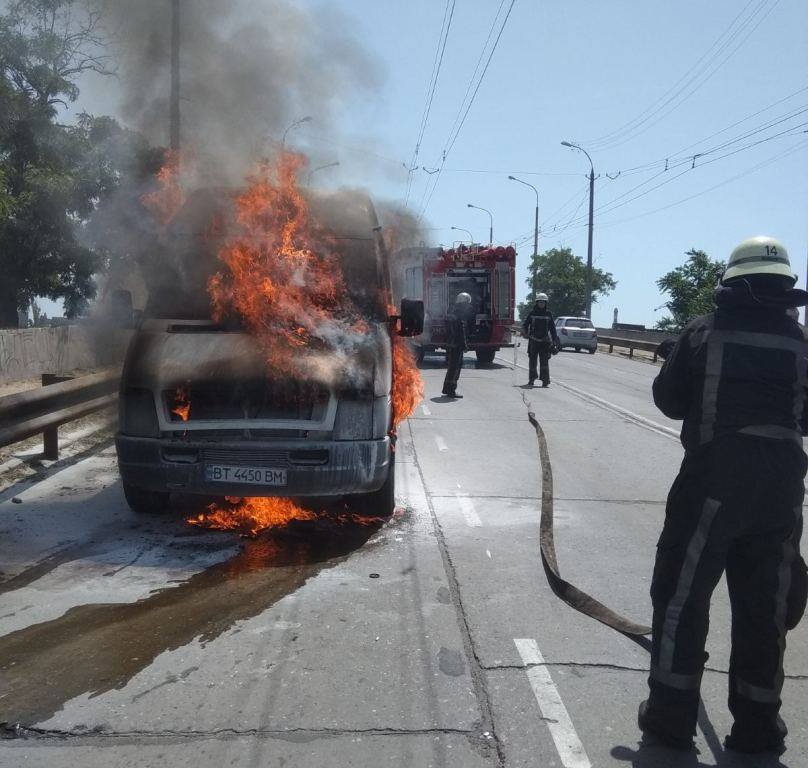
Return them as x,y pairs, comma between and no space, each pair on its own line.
691,288
50,175
562,276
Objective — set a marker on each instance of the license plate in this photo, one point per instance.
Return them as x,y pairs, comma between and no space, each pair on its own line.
219,473
579,335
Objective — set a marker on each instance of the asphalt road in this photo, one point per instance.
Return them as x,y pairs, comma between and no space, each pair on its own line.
431,640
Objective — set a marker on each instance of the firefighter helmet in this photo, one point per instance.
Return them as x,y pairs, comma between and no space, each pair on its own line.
759,256
463,298
541,297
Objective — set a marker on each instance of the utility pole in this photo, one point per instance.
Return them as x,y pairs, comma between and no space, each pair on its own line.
535,238
588,286
589,246
175,75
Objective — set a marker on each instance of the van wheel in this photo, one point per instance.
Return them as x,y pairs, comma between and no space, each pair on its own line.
381,503
485,357
145,502
420,354
577,349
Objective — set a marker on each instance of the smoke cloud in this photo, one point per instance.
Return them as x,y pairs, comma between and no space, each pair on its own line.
249,68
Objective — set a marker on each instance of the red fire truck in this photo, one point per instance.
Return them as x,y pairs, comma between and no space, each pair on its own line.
436,276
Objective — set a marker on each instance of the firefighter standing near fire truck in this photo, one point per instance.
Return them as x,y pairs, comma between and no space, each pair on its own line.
457,342
738,378
539,329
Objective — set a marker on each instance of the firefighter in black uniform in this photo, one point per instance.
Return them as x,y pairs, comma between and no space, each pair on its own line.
539,328
457,342
738,379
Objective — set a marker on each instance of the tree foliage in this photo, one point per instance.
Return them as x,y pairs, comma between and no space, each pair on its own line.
562,276
51,175
691,288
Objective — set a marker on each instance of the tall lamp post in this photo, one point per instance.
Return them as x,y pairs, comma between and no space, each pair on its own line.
293,125
571,145
460,229
320,168
535,236
491,221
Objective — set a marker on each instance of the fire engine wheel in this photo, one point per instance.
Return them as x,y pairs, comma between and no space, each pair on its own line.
145,502
381,503
485,357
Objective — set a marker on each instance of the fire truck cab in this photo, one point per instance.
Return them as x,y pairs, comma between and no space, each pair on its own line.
436,276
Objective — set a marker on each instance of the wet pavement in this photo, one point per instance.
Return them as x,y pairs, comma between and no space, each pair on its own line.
429,639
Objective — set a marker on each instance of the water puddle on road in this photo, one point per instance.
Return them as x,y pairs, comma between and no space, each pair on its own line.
93,649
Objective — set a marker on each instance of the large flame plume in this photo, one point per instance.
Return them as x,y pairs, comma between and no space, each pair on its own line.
283,278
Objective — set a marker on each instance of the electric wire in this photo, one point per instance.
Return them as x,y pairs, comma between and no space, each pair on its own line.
448,15
697,77
455,131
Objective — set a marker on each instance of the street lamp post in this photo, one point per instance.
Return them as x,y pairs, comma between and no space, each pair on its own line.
591,217
535,236
320,168
460,229
295,124
491,221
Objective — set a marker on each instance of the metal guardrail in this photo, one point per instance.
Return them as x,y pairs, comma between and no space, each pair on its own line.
630,344
58,402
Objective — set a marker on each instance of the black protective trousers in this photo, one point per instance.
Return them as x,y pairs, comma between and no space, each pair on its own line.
539,352
454,364
736,506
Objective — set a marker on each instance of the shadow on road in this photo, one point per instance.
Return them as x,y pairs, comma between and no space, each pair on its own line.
93,649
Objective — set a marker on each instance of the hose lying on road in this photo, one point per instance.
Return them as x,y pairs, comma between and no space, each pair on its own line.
569,593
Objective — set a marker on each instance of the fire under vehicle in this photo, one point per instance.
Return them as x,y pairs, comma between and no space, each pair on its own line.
435,276
200,412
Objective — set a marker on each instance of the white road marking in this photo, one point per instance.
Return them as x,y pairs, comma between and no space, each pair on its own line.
441,443
488,552
469,513
426,410
619,410
569,746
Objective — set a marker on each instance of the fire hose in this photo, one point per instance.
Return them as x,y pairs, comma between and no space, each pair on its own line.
569,593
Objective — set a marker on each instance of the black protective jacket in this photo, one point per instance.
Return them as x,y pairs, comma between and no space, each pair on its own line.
457,327
741,370
539,326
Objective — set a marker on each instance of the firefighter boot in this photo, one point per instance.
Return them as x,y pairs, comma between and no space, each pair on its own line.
655,730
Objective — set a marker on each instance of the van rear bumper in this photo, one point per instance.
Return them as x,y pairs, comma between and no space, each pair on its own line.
312,468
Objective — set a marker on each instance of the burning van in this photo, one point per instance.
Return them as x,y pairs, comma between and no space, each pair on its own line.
281,371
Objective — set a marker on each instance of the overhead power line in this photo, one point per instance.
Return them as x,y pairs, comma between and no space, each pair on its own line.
695,78
446,25
467,103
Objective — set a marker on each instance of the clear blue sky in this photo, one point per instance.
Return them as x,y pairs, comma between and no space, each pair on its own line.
581,70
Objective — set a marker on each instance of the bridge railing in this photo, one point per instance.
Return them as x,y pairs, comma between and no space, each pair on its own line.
629,344
57,402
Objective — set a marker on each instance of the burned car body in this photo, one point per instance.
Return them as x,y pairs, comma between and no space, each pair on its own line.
201,412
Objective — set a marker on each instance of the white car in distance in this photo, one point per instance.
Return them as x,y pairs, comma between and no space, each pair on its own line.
577,333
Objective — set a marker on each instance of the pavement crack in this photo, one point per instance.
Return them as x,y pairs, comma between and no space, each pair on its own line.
9,732
487,726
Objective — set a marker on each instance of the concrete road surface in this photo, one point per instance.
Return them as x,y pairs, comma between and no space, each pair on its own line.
429,640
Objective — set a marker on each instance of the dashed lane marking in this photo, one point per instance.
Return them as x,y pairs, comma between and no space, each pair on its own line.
469,512
568,745
441,443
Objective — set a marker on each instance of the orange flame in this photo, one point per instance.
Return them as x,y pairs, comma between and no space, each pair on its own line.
252,514
182,404
165,202
408,386
282,276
